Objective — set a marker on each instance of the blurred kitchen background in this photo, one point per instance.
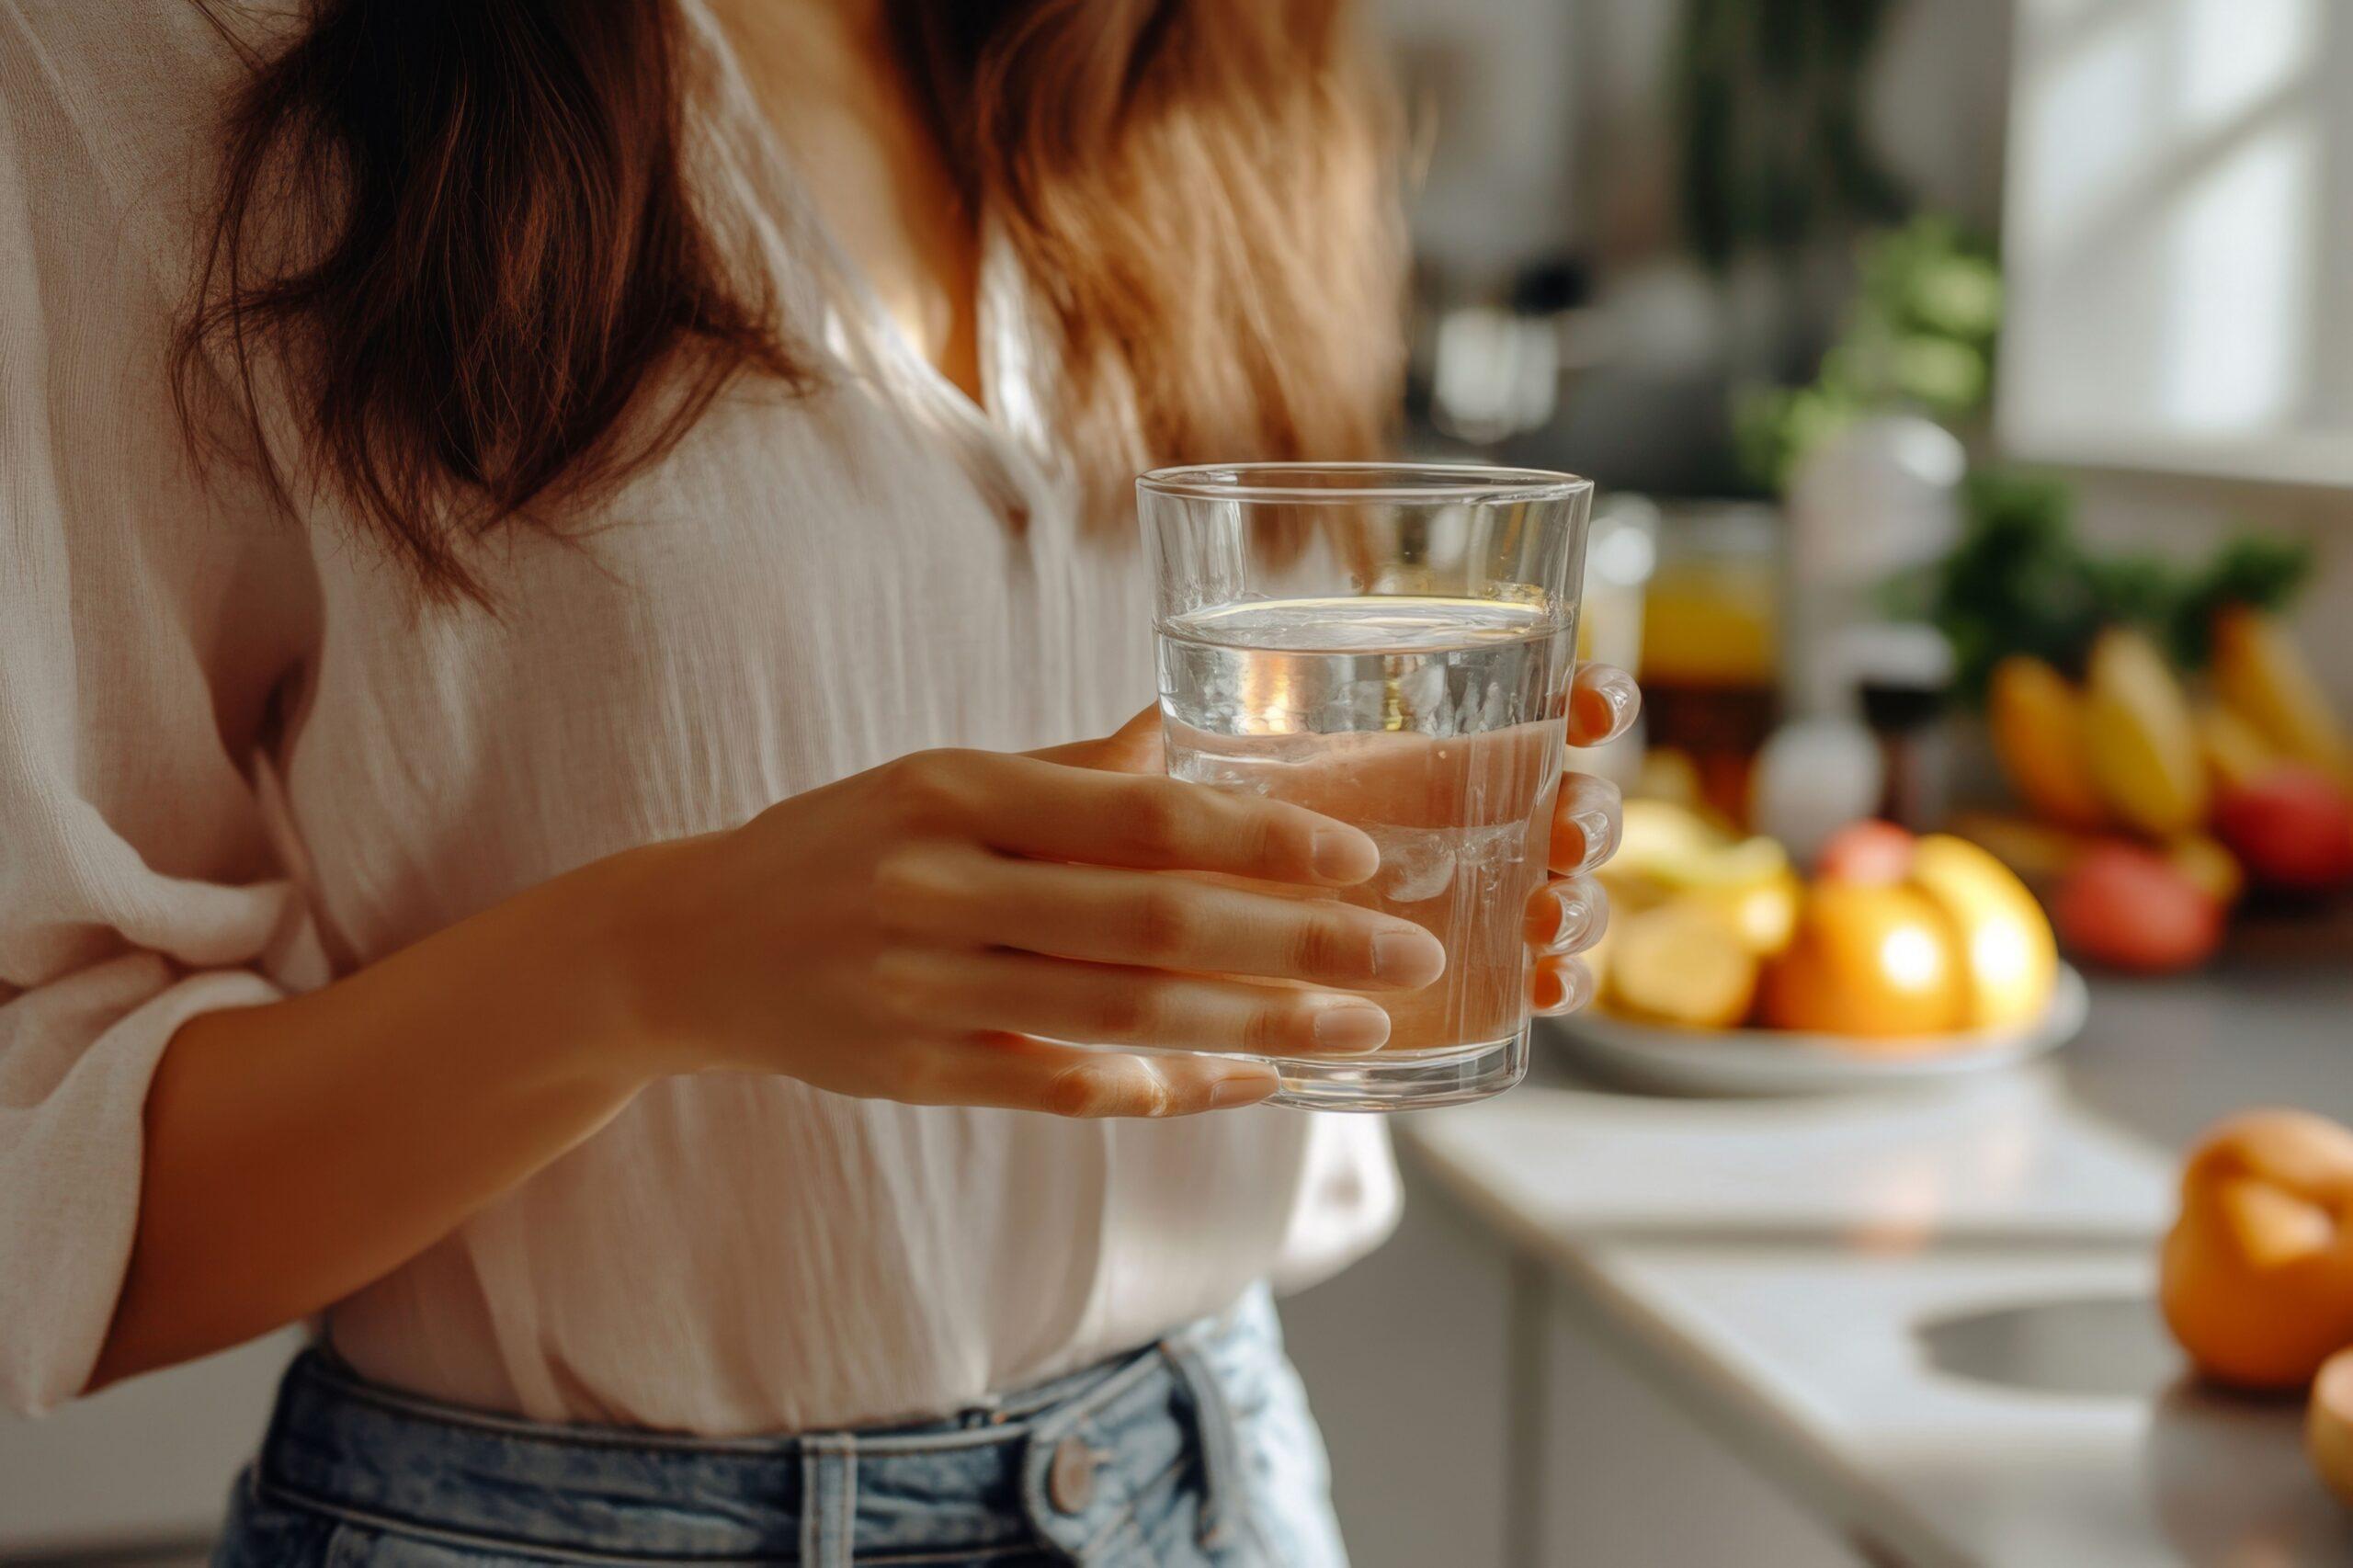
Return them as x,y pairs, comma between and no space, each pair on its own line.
1969,386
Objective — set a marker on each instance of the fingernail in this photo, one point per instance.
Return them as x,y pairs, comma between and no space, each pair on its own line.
1407,957
1584,910
1552,911
1599,831
1576,921
1560,989
1353,1027
1340,856
1239,1090
1610,703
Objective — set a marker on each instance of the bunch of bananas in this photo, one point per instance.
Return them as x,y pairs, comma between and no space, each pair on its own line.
2129,749
2250,780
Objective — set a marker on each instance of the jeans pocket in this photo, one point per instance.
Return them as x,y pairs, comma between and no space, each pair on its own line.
267,1531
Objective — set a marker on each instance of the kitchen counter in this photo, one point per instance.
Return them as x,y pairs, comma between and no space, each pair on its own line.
1928,1315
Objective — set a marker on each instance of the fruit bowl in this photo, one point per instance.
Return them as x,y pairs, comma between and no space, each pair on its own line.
1751,1062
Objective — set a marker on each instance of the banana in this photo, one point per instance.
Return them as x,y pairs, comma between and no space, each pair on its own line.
2038,852
2142,740
2260,672
2037,727
2214,868
2236,754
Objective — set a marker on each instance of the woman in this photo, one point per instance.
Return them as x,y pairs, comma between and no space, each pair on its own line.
526,846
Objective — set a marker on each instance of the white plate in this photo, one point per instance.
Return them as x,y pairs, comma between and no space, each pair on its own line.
1782,1061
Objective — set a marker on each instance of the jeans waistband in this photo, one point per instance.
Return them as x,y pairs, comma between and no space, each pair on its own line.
1059,1467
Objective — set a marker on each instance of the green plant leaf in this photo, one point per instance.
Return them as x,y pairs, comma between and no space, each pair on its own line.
2019,582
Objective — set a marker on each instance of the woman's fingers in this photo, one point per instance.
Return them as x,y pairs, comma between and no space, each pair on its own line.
1017,1073
1118,1004
1054,812
1557,986
1567,914
1602,702
1147,918
1585,822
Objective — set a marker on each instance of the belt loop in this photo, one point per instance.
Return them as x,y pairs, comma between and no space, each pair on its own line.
828,1499
1221,1463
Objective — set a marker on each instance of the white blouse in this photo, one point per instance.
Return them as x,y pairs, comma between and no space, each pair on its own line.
236,759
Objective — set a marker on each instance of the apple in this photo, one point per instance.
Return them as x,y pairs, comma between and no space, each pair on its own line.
2130,908
2292,828
1869,852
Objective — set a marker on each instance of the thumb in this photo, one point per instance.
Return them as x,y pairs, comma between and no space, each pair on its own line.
1133,747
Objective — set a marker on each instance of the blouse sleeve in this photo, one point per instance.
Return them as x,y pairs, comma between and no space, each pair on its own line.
143,630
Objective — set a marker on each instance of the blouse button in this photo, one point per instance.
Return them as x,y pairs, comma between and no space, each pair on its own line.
1071,1481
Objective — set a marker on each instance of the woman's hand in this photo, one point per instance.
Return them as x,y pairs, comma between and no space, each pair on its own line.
928,931
1568,913
932,930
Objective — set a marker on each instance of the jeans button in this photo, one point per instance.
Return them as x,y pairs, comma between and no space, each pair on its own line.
1071,1481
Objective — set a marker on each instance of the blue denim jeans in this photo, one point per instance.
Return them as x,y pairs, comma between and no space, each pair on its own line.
1197,1450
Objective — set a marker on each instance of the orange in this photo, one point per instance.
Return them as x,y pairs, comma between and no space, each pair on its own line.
2256,1274
1869,960
2008,952
2328,1425
1681,962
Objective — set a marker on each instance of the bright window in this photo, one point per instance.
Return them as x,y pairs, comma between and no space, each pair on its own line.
2180,237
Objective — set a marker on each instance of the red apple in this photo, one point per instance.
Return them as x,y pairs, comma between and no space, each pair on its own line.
2292,828
1869,852
2128,907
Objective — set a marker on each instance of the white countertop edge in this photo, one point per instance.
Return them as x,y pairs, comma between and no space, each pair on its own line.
1807,1461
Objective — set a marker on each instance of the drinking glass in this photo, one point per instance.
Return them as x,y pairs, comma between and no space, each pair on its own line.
1389,645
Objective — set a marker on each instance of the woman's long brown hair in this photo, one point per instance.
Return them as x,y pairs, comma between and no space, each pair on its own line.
460,239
